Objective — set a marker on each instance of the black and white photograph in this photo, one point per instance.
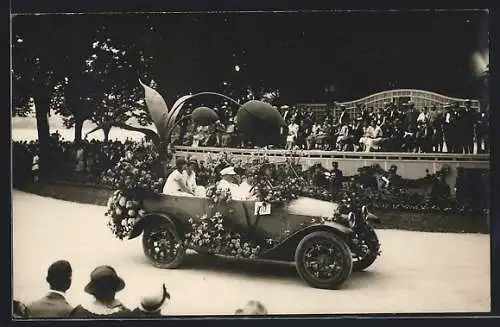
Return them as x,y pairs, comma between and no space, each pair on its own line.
242,163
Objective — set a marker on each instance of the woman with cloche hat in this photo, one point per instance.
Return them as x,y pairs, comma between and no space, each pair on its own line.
103,286
153,303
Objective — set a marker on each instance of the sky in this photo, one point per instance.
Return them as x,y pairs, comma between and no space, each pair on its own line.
352,54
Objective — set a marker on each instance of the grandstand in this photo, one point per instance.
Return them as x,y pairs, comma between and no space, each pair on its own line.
420,98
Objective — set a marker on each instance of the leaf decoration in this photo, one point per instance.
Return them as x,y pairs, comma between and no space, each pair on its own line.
157,108
175,111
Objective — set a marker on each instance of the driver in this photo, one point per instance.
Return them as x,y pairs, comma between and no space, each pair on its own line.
176,184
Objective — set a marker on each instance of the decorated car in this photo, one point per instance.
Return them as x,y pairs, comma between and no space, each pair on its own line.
325,244
289,219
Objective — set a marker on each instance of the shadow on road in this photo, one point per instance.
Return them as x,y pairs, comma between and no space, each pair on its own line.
282,272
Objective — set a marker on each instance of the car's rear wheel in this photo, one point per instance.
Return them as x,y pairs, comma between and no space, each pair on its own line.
163,246
323,260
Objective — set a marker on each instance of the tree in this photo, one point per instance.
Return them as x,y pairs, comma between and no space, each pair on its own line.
102,70
33,75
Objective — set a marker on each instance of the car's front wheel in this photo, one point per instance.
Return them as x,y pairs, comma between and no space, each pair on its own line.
323,260
368,252
163,246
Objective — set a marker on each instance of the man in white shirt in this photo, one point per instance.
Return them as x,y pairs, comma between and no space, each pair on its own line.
176,184
247,188
423,116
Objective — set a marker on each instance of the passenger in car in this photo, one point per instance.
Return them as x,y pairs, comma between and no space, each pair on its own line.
176,184
189,175
229,181
247,189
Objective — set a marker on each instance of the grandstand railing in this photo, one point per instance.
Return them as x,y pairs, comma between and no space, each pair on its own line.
400,156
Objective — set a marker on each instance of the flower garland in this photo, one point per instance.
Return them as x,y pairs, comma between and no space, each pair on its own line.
135,172
133,178
217,196
123,212
212,234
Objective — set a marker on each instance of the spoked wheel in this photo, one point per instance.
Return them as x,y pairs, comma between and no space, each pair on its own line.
162,246
368,251
323,260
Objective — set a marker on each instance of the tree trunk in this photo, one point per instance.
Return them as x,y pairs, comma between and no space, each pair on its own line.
106,131
78,129
42,125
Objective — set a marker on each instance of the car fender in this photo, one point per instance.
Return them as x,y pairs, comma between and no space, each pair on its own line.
151,218
285,249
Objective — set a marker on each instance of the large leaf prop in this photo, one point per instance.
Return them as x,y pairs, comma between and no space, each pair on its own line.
204,116
176,109
157,109
260,123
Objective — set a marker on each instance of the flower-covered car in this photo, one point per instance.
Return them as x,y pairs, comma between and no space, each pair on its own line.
325,244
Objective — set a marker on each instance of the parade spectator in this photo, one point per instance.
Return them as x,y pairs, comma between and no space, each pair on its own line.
481,132
423,116
293,130
343,137
19,309
227,138
54,304
252,308
35,168
80,160
153,304
103,286
336,177
468,128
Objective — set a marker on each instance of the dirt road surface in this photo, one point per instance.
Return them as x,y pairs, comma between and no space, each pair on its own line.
417,272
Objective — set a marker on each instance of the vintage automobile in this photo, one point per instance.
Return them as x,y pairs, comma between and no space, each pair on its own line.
325,250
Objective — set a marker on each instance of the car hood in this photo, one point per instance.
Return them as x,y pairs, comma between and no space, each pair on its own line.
305,206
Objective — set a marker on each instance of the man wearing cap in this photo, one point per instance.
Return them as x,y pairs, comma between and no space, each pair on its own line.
176,184
103,286
229,182
54,304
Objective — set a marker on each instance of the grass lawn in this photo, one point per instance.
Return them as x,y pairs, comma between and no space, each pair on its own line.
391,219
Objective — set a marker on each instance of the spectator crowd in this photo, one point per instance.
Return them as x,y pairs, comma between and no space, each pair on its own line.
83,162
103,286
394,128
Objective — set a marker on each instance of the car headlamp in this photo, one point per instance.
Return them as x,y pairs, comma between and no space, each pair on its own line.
351,219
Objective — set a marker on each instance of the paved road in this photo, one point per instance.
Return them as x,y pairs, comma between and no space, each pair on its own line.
417,272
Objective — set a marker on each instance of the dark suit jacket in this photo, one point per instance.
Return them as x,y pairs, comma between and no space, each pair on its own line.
51,305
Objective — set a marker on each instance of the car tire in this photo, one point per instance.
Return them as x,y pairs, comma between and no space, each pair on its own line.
333,266
369,259
163,246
